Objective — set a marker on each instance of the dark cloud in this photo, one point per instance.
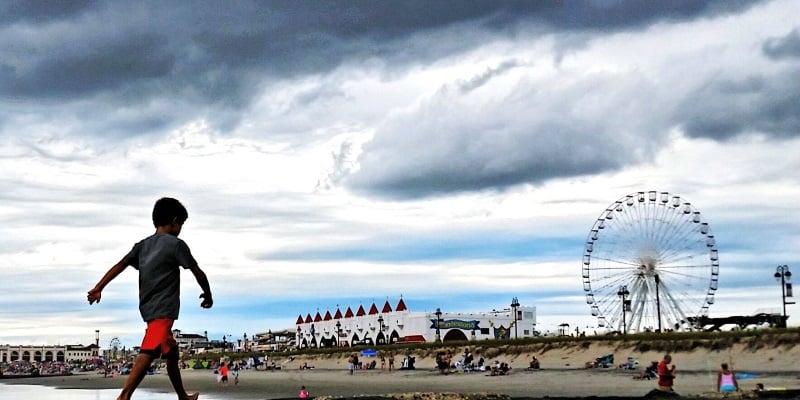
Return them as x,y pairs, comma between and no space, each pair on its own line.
207,56
536,133
39,11
783,47
760,104
482,79
106,66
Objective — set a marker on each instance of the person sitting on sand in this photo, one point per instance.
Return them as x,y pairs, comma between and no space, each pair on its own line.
504,368
495,368
648,372
303,392
726,380
534,363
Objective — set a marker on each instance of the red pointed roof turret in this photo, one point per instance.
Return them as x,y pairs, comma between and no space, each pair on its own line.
348,313
317,318
299,320
401,306
308,318
338,314
373,310
386,307
327,316
360,312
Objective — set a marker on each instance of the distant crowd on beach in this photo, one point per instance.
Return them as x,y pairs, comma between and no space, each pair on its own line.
37,368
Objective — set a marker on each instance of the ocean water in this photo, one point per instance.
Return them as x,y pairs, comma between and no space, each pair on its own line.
21,392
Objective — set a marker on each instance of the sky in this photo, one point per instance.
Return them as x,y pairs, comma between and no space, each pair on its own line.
333,154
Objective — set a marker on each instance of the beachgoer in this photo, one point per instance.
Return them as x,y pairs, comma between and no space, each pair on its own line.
443,363
391,361
235,374
383,362
649,372
726,380
158,258
666,374
303,392
351,363
223,374
534,363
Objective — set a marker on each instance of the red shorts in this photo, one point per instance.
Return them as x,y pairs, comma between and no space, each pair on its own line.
158,339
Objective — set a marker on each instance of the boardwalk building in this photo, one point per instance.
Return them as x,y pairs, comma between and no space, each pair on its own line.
399,325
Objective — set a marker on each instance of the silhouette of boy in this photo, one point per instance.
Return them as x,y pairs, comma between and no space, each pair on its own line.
158,258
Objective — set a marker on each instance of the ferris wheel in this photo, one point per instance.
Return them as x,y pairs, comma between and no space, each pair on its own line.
113,346
650,261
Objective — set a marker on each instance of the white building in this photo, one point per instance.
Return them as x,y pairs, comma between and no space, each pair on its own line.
399,325
187,341
9,353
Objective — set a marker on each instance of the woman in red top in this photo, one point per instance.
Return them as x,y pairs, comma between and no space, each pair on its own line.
666,374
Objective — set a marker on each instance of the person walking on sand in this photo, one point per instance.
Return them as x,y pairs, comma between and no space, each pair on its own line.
158,258
223,373
726,380
351,363
666,374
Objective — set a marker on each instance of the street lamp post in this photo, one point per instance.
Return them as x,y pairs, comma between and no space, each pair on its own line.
658,301
438,315
380,327
297,337
514,306
782,274
338,333
245,341
623,292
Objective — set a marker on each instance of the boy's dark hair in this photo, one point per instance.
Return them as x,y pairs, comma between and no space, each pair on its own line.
168,210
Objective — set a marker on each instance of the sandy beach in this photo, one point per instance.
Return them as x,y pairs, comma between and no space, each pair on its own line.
562,375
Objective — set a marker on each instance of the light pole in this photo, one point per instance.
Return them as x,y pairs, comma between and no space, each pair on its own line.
782,274
297,338
514,306
438,315
338,333
658,301
245,341
623,292
380,328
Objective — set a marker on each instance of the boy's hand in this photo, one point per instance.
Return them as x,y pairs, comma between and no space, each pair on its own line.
94,295
207,300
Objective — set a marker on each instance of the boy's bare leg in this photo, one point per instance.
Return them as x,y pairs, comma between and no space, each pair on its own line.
138,372
174,373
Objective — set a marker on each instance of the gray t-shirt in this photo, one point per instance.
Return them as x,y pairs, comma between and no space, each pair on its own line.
158,259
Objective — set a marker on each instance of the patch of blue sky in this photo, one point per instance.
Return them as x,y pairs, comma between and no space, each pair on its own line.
494,247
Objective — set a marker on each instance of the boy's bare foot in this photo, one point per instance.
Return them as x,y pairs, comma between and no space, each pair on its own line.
193,396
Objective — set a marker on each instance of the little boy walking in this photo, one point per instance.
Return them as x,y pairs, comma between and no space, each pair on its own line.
158,258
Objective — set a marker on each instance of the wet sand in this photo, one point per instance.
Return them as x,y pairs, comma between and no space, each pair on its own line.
562,375
324,382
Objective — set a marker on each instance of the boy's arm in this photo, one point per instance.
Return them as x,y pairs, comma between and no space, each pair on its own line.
95,293
202,280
